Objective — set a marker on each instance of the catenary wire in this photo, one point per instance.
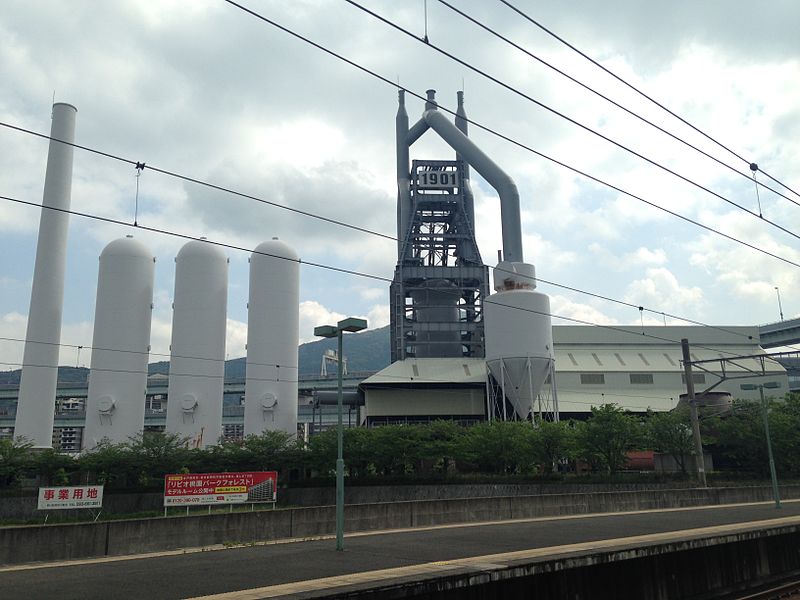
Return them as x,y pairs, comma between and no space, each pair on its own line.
167,232
607,99
200,182
149,353
571,288
391,237
502,136
641,93
569,119
138,372
578,290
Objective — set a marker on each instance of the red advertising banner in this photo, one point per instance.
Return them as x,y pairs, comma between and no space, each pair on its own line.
220,488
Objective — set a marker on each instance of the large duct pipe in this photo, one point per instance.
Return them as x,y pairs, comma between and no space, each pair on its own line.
37,390
403,183
463,127
497,178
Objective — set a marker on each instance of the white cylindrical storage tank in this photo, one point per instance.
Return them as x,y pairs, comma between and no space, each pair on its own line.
197,358
37,388
273,333
519,335
121,343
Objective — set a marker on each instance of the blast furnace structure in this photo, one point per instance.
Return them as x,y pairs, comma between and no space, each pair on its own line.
439,296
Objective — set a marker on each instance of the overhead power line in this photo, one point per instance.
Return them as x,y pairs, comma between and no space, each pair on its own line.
641,93
500,135
620,329
140,166
609,100
564,286
476,124
567,118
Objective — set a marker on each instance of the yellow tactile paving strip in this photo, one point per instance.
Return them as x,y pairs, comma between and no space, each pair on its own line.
493,561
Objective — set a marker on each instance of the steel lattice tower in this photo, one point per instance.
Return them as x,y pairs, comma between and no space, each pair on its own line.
440,281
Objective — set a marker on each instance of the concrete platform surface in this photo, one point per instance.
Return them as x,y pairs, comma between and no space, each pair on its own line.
312,568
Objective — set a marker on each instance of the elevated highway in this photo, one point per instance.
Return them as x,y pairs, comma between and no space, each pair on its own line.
779,334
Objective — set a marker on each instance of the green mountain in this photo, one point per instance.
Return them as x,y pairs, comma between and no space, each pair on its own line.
365,351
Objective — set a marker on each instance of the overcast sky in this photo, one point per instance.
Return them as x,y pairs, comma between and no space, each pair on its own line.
203,89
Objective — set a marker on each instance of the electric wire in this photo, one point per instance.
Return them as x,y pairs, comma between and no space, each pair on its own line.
221,188
569,119
641,93
502,136
167,232
149,353
578,290
346,271
145,372
140,166
571,288
609,100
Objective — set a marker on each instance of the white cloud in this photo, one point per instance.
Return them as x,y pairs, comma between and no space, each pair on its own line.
262,113
577,313
660,290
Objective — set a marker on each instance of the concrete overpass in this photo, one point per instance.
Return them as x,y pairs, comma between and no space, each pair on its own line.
780,333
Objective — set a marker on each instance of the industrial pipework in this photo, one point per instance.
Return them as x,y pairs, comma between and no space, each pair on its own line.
467,151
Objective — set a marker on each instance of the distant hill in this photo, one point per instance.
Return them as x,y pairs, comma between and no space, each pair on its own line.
365,351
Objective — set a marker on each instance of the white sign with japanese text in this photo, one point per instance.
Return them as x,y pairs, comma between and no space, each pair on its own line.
81,496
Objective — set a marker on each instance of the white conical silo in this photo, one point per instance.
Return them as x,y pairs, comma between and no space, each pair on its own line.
273,332
197,359
37,388
519,334
121,343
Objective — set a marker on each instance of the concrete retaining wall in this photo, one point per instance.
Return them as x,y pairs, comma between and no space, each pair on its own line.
20,544
24,507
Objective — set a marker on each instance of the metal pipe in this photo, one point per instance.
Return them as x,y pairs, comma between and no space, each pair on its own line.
403,173
698,443
463,126
497,178
764,410
339,452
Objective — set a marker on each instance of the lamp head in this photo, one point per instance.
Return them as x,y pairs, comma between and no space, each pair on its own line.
352,324
326,331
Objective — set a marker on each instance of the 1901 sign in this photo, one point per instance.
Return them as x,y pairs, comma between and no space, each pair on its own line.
429,179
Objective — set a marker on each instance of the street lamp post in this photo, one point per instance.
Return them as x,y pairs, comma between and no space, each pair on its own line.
768,385
780,306
351,324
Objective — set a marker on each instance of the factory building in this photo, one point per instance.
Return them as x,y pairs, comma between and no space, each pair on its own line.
462,348
638,368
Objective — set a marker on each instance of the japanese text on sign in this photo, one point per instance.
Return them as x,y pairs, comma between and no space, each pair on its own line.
220,488
89,496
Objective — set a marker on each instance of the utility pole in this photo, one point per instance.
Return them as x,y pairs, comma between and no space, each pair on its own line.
698,443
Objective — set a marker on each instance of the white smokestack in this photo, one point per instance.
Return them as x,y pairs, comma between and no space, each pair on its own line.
37,390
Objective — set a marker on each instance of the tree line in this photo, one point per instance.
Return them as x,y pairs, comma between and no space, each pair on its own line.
441,449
